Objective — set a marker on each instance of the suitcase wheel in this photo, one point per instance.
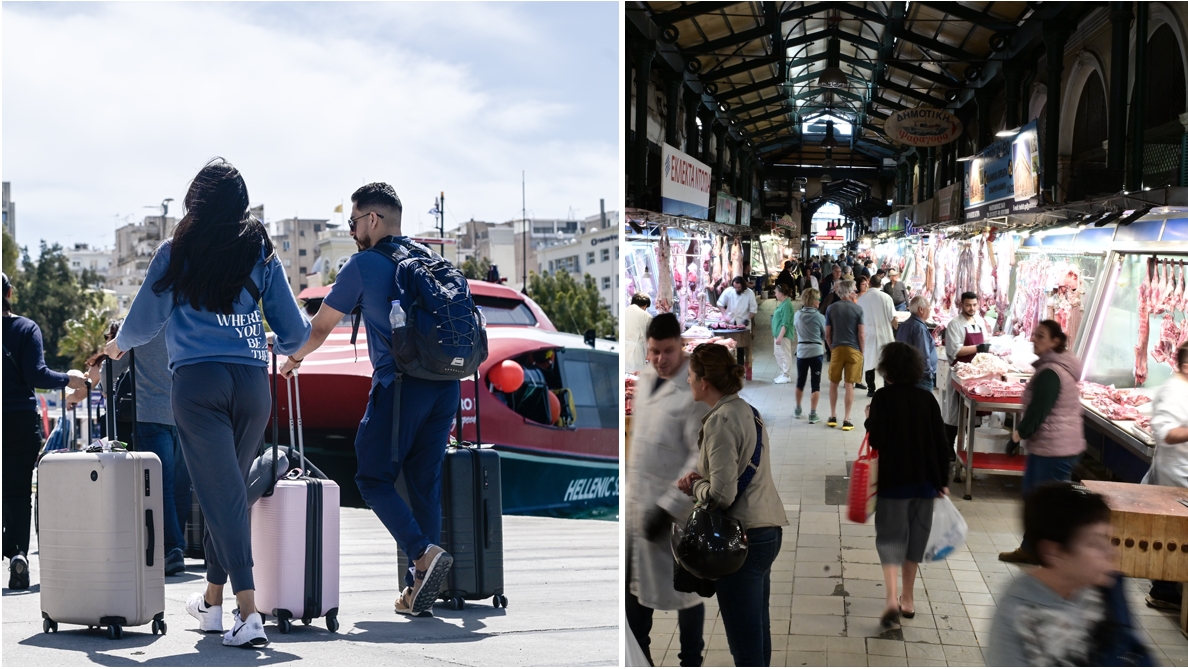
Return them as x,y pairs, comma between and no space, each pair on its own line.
48,626
115,632
284,625
332,623
159,626
306,620
457,603
499,601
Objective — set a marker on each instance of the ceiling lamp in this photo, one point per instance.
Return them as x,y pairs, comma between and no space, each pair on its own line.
832,76
825,178
828,163
829,142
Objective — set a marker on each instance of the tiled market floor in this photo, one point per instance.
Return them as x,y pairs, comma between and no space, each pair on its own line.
827,588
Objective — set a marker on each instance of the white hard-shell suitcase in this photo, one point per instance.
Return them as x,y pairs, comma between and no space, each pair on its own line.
295,547
102,551
101,540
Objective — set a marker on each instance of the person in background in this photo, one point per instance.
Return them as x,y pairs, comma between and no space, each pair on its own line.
1169,466
156,431
868,269
815,277
635,327
727,443
965,336
24,370
810,351
845,335
915,332
905,427
881,275
835,275
788,278
879,316
897,289
663,448
739,306
782,329
1072,610
1051,421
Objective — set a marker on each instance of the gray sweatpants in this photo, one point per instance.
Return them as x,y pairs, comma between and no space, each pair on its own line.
221,411
902,527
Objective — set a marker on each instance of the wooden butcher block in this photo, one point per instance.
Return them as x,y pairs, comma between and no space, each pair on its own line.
1150,528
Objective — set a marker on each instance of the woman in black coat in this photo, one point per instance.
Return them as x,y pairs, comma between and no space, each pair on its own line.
905,426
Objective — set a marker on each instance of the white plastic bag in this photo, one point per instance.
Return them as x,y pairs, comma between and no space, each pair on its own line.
949,530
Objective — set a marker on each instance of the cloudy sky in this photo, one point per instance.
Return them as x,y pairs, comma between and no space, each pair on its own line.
108,108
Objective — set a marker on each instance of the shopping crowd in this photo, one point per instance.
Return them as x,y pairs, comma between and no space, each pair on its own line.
203,393
697,447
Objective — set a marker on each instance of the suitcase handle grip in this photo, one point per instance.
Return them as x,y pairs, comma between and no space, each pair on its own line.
152,538
486,525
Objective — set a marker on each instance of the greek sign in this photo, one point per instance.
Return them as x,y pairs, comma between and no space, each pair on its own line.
685,186
922,126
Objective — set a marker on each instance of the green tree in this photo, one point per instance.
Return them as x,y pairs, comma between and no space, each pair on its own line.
11,254
84,336
473,268
572,306
49,294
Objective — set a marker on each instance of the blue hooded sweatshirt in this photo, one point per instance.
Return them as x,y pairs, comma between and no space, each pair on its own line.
197,335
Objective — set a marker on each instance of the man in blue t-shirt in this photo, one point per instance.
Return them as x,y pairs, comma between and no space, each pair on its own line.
427,408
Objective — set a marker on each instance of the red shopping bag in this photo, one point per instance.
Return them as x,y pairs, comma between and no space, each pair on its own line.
864,480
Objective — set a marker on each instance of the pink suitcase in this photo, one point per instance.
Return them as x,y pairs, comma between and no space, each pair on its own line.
295,544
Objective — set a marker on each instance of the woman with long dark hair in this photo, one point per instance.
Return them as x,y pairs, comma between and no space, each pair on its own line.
208,284
729,439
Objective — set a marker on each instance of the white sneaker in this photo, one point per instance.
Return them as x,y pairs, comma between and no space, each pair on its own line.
246,633
210,618
782,379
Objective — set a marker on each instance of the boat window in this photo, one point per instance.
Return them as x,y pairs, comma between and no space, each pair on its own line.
504,311
590,377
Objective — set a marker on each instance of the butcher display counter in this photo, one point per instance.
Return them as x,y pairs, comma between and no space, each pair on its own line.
741,338
967,458
1150,532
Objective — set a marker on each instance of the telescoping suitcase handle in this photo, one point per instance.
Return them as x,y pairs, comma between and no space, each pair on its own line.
109,382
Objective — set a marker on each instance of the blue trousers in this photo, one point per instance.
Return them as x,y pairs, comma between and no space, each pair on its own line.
427,410
743,599
1040,470
162,440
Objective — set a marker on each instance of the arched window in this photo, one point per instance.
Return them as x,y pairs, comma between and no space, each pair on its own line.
1160,126
1088,176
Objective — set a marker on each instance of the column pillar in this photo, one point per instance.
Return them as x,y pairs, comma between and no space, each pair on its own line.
930,182
720,154
707,125
691,101
1138,106
644,53
672,104
1120,16
1012,72
983,100
1055,38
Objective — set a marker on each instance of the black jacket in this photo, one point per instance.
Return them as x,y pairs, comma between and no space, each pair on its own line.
906,428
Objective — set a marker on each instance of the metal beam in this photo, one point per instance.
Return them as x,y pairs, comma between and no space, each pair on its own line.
764,117
773,129
730,40
912,93
962,13
664,19
759,104
747,90
878,99
775,144
906,34
814,8
940,78
855,39
743,67
840,92
807,39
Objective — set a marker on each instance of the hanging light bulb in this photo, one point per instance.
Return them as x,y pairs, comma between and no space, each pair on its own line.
825,178
832,76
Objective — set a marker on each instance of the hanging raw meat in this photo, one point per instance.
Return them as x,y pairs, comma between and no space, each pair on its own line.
736,262
1002,267
966,281
985,276
1144,323
664,274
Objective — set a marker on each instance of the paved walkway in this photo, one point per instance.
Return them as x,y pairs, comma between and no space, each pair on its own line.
561,581
827,588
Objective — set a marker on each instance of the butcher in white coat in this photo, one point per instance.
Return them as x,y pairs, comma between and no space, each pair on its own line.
878,314
635,327
965,336
664,430
1169,466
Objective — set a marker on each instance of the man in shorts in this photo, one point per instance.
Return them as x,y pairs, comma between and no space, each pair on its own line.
845,334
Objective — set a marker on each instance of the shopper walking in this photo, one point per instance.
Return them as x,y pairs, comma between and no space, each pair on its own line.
635,328
914,332
665,423
155,429
1169,467
427,408
24,370
787,276
727,442
810,352
905,426
205,284
1072,610
834,276
897,290
1051,420
782,329
739,306
845,335
878,314
965,336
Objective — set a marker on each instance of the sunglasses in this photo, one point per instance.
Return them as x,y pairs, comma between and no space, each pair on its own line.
351,221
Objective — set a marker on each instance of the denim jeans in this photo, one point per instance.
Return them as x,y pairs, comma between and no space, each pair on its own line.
1040,470
743,600
928,382
690,622
161,439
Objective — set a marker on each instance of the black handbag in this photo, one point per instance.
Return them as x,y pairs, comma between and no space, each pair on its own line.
712,544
